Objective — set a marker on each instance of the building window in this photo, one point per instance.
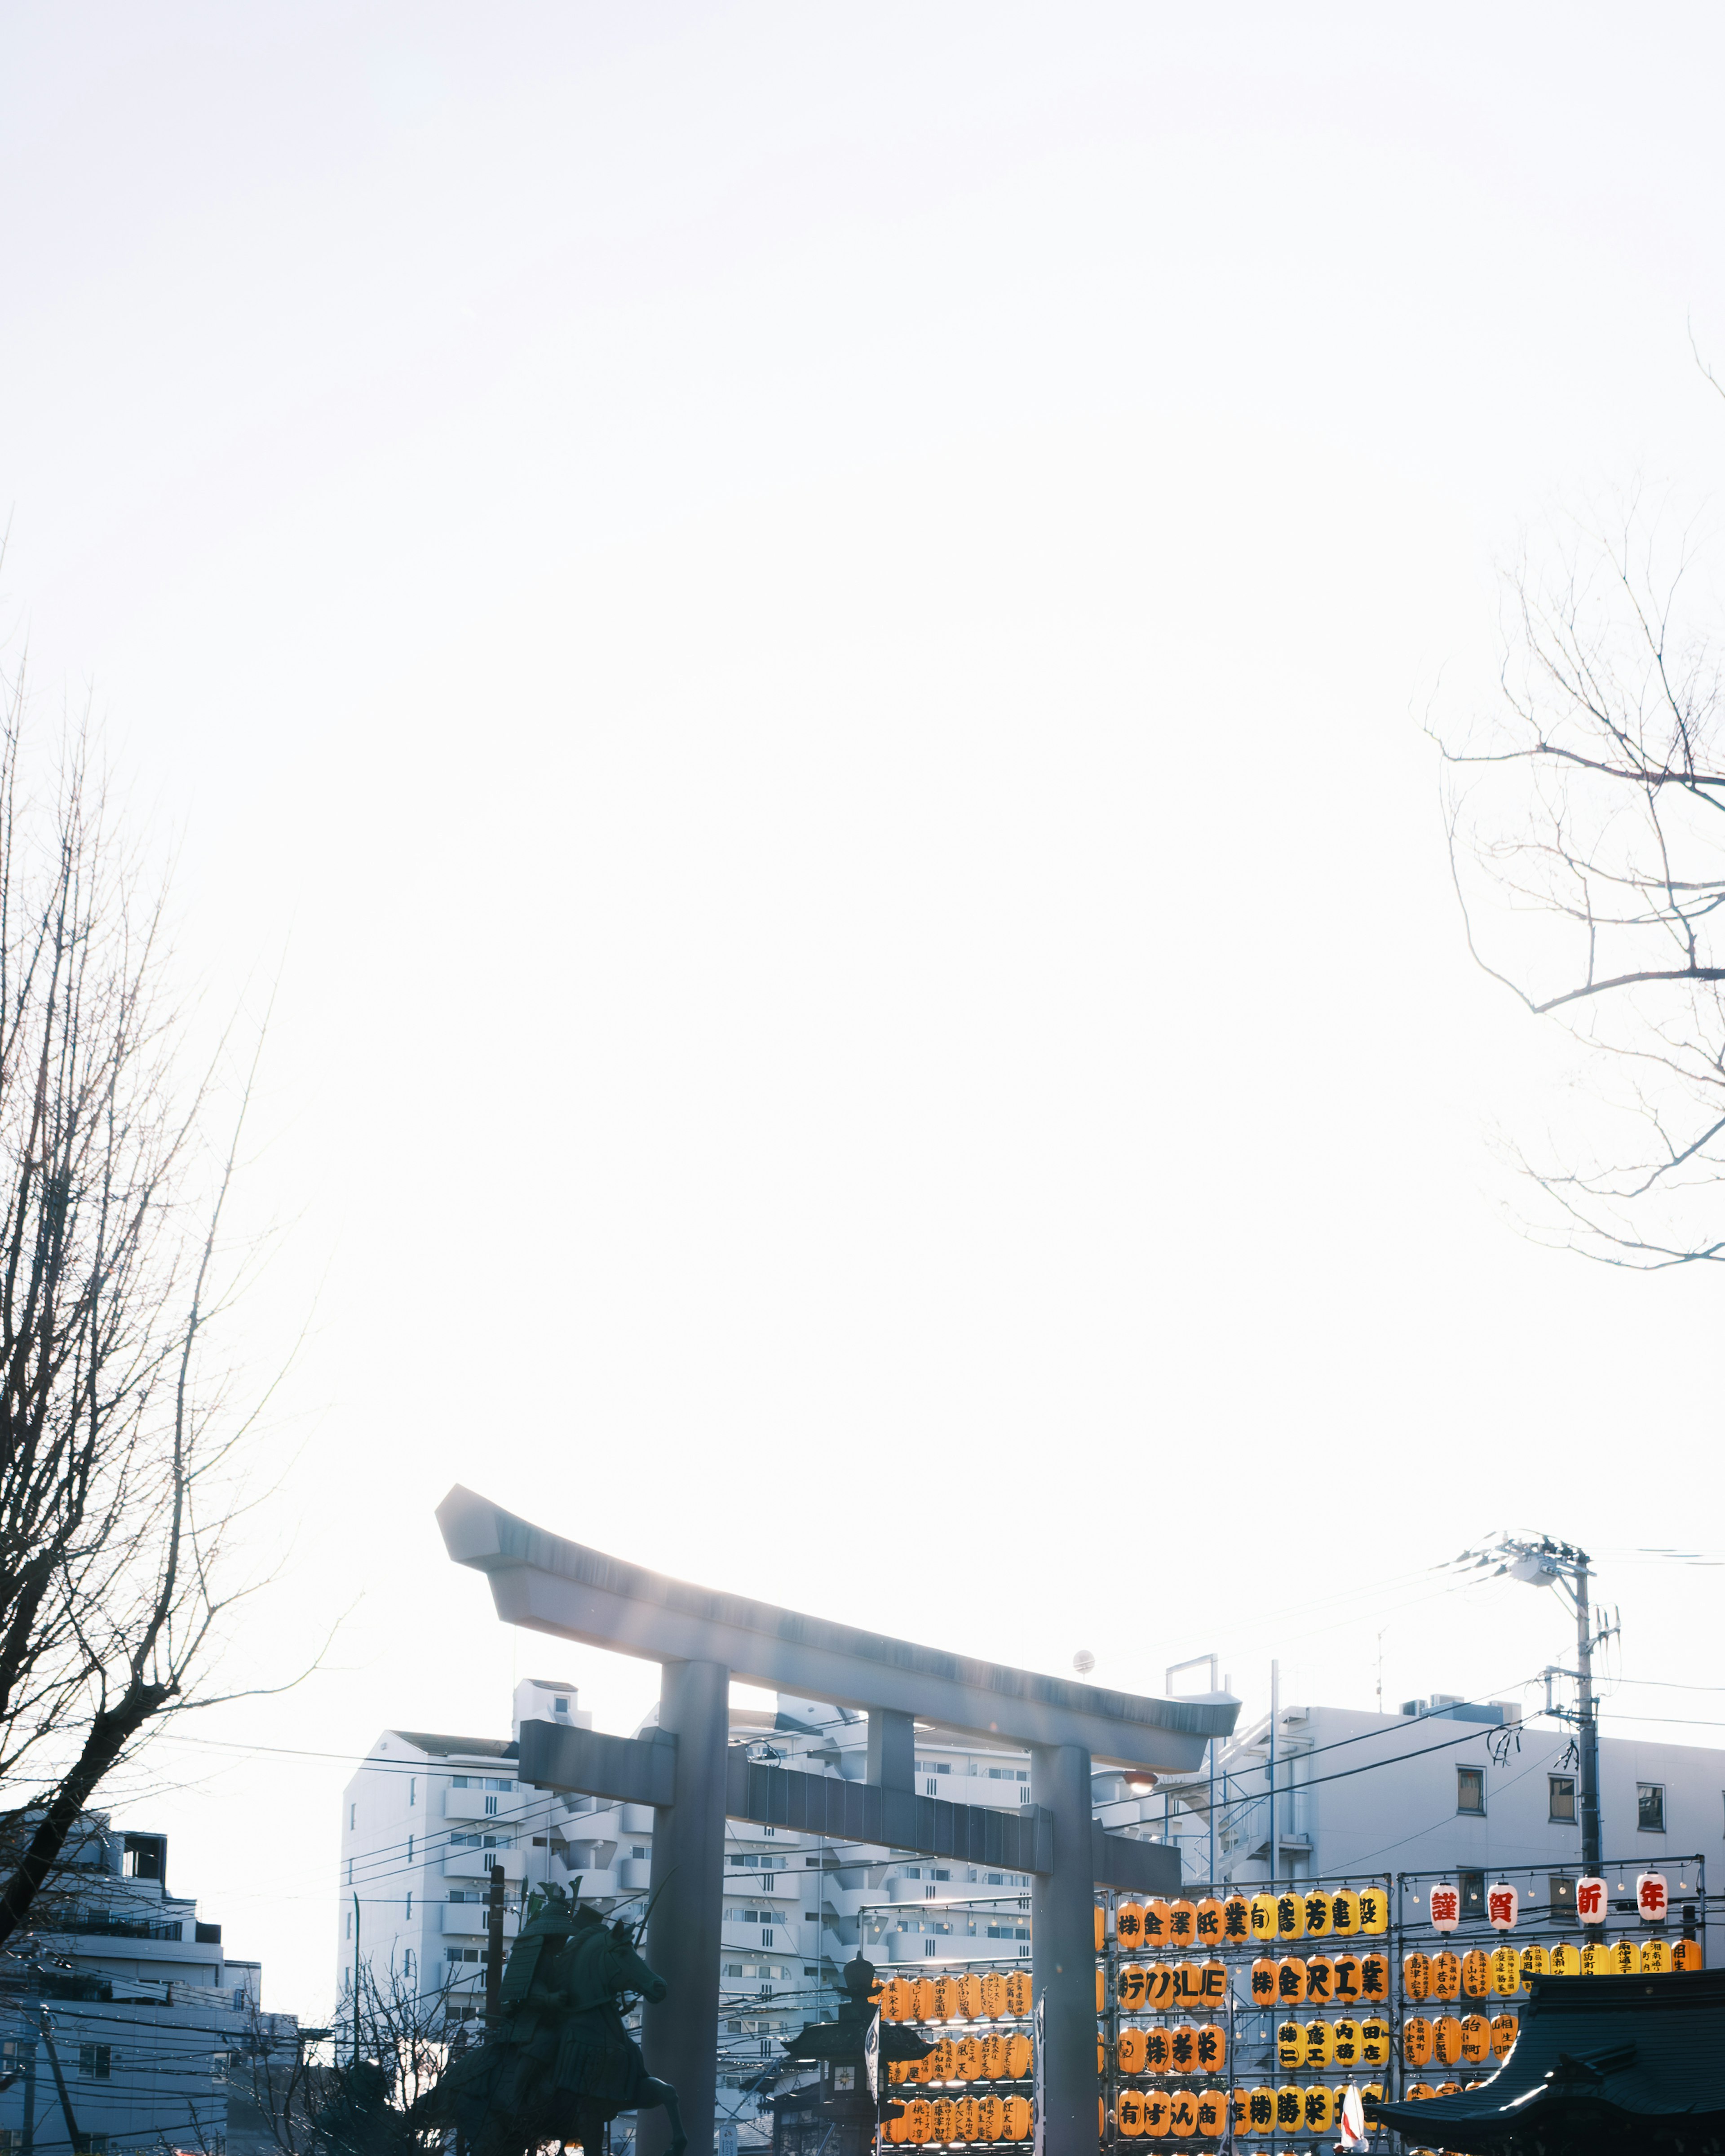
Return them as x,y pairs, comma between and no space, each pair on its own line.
1471,1790
350,1924
1649,1807
412,1788
635,1850
92,2060
410,1902
1560,1895
410,1849
1471,1887
407,1960
353,1809
492,1782
562,1705
1563,1796
458,1781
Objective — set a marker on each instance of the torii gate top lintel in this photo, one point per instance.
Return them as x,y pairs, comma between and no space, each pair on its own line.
541,1581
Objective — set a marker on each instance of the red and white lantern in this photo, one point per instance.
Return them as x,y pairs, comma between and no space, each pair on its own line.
1445,1908
1651,1898
1590,1901
1501,1903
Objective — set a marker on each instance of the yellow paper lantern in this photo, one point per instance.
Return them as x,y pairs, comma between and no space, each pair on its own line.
1182,2114
1596,1958
1212,2048
946,2119
1157,2106
1236,1920
1158,1987
1290,2109
1349,1970
1263,1982
966,2113
1686,1954
1129,2051
1319,1979
1374,1978
948,1998
919,2120
1239,2113
1263,1907
1129,2114
1102,1923
923,1986
1101,1989
1018,1992
1446,2040
1182,2050
941,2061
1320,1913
1212,2113
1655,1957
1209,1923
1320,2045
1476,1974
1018,2118
896,1999
1290,1981
1158,2051
1446,1975
1533,1961
1156,1922
1476,2039
1506,1972
1345,2043
1320,2109
1290,2047
1189,1983
1129,1927
1565,1960
970,1995
1504,2027
1213,1982
968,2058
1261,2110
991,2118
1625,1958
1374,1910
1290,1915
994,2056
1374,2041
993,1994
1344,1913
1417,2041
1182,1924
1018,2055
1416,1975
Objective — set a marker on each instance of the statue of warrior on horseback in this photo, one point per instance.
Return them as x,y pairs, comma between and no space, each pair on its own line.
560,2064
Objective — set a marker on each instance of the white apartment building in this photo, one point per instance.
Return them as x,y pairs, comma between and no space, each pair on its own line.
136,2003
426,1815
1449,1785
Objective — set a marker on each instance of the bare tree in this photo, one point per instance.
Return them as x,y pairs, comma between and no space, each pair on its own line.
118,1454
1587,825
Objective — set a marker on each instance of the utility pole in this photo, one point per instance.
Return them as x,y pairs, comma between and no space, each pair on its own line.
1589,1726
493,1959
28,2146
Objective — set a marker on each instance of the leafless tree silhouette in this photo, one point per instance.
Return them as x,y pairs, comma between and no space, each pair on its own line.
1586,818
121,1453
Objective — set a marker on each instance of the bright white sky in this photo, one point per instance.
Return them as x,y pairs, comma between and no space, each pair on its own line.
809,627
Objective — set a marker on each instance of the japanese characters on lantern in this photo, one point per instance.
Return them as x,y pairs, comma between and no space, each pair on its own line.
1501,1903
1652,1899
1590,1901
1445,1908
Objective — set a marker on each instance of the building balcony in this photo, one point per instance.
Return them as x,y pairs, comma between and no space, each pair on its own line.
476,1863
485,1804
468,1920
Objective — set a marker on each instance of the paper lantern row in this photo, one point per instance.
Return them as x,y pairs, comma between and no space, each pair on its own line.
1184,2050
1449,2040
1153,2113
1141,1926
1320,1980
1503,1971
1314,2044
966,1998
1592,1902
963,2118
991,2058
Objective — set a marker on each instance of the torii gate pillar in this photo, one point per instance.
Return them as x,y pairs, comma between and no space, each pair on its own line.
683,1934
1063,1950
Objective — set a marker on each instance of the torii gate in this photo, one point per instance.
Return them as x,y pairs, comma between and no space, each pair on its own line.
695,1780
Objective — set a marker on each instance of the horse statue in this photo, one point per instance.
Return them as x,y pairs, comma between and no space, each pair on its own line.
561,2065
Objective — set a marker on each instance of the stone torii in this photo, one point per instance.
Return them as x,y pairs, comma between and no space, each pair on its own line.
694,1779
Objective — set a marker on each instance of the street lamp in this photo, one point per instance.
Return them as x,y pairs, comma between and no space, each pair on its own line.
1539,1560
